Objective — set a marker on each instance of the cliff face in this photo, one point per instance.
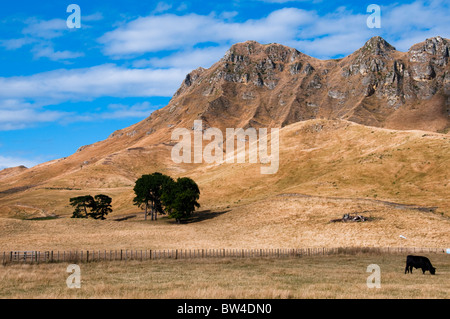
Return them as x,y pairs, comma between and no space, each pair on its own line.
273,85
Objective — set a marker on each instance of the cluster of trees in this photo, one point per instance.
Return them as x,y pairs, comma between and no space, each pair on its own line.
94,207
164,195
156,193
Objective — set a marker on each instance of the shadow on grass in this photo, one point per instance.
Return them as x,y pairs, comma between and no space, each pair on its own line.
201,216
194,218
43,218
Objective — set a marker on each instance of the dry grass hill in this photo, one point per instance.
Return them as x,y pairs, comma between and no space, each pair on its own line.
365,133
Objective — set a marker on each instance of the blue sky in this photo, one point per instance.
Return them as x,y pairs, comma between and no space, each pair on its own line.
63,88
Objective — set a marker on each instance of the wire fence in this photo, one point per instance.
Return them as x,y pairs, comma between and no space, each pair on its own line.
80,256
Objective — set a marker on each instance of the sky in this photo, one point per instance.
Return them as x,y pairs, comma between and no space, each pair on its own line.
62,87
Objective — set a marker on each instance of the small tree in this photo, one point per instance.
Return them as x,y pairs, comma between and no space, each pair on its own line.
102,207
148,190
99,206
81,205
180,199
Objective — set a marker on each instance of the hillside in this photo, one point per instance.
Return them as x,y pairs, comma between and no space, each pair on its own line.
370,125
317,157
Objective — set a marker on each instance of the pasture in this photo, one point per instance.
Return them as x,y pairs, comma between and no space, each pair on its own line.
292,221
277,222
308,277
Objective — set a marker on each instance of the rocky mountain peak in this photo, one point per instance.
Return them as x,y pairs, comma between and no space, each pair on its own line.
260,64
190,79
252,49
436,50
376,46
271,84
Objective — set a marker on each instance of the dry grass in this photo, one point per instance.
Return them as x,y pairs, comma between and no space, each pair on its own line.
280,222
317,157
341,276
343,159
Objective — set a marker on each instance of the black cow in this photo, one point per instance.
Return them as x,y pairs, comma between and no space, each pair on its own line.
419,262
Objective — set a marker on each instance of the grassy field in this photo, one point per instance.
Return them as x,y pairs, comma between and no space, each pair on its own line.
278,222
340,276
341,159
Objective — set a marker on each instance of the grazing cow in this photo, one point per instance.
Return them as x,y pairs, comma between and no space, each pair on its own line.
419,262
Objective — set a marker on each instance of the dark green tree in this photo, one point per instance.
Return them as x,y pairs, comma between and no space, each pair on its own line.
102,207
81,205
181,198
95,207
148,190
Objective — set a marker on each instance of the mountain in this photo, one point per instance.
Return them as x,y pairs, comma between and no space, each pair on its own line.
376,91
272,85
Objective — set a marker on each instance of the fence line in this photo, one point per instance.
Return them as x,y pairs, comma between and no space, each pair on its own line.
148,254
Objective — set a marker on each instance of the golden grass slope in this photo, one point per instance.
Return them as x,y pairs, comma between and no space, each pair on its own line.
317,157
327,169
279,222
340,158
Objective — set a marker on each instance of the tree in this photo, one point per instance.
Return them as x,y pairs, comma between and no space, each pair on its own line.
180,198
81,205
148,190
99,206
102,207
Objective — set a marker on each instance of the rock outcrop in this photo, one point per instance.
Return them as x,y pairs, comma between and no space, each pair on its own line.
274,85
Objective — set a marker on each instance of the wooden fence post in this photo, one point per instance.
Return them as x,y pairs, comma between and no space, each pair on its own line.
72,256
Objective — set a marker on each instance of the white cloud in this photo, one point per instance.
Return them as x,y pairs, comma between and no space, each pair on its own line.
113,112
40,33
162,7
15,116
49,52
45,29
92,17
13,44
322,36
412,23
189,59
120,111
182,7
89,83
23,99
173,32
8,161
